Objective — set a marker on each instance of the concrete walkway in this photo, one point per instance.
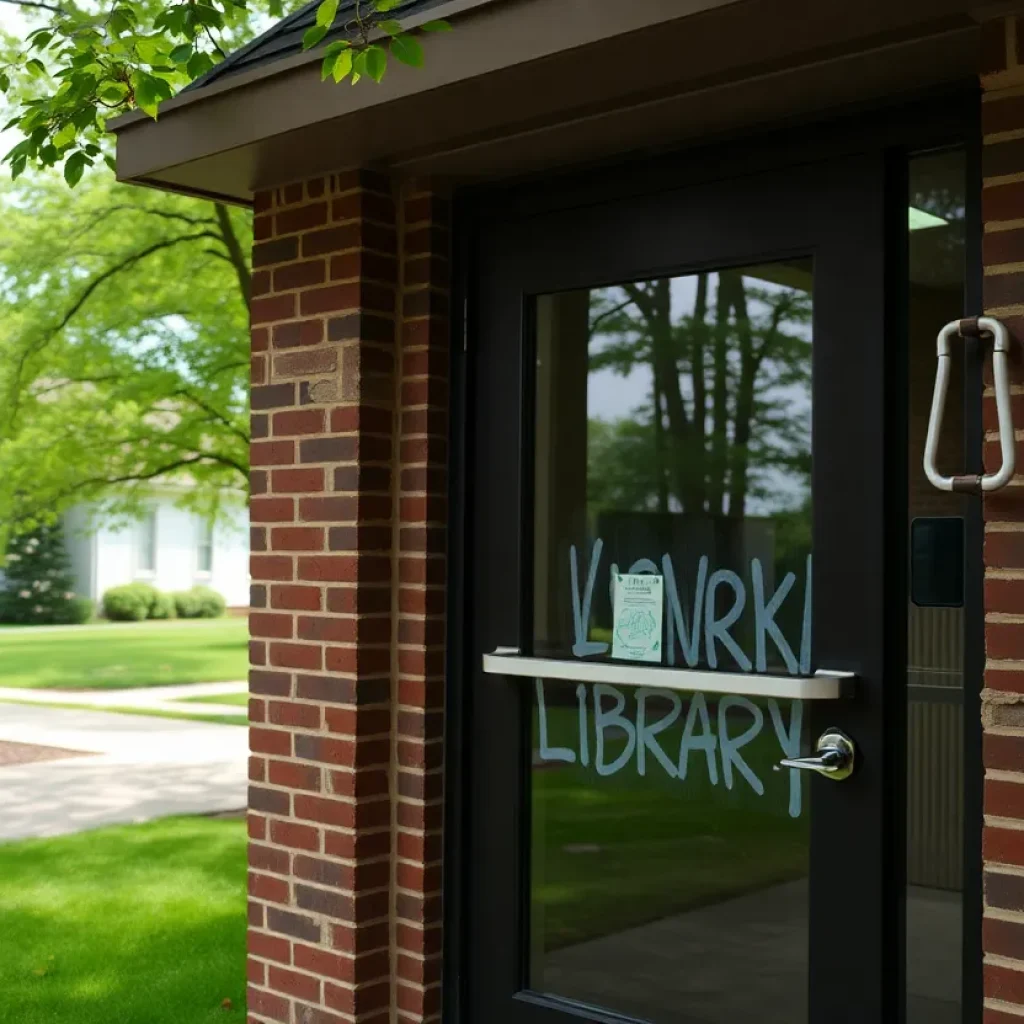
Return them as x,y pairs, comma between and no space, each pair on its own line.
142,768
155,698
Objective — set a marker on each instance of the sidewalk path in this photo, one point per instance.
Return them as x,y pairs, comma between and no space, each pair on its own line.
142,768
155,698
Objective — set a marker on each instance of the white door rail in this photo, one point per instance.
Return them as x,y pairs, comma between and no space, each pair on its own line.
823,685
972,483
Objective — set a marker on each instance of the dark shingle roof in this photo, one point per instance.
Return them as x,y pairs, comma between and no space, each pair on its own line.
285,38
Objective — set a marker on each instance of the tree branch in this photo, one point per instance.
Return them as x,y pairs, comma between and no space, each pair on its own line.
217,415
52,8
234,248
110,272
142,477
601,317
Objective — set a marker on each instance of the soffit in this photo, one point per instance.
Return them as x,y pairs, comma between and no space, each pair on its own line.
512,91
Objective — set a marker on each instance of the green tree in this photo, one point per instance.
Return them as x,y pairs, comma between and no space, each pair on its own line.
37,587
123,347
85,61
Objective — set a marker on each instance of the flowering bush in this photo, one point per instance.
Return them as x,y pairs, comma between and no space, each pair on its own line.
37,587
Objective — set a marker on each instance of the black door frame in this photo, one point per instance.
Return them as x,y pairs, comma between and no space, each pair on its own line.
946,119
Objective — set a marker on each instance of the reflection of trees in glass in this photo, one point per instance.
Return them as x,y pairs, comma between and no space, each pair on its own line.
936,186
728,415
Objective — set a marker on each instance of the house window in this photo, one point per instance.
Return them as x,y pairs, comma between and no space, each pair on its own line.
146,544
204,547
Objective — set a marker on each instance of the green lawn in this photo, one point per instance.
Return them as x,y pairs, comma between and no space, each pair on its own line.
241,699
142,924
125,656
617,851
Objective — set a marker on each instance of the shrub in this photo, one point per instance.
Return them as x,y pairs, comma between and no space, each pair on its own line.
131,602
37,585
77,611
186,604
211,604
163,606
199,603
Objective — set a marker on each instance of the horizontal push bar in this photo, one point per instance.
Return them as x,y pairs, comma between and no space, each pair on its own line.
825,684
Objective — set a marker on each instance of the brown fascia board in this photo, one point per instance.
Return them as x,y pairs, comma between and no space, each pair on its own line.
481,110
247,108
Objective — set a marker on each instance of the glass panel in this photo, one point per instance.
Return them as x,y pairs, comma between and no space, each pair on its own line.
672,497
935,722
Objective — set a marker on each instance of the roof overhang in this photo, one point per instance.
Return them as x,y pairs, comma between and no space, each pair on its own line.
516,88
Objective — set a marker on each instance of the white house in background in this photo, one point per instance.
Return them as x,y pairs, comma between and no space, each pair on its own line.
169,547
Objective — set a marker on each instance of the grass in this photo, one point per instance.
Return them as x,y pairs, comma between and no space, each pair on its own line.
191,716
139,924
241,699
125,656
618,851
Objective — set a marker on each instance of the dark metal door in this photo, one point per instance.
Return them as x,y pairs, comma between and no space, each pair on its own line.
689,389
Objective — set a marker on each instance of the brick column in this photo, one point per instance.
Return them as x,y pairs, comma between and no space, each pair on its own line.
349,414
420,603
1003,697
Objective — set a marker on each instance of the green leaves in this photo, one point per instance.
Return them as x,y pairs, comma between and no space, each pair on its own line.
65,136
342,66
74,168
199,63
375,62
364,56
406,49
154,317
337,61
81,64
326,13
149,91
313,36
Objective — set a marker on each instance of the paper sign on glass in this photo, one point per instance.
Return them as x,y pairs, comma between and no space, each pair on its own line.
636,616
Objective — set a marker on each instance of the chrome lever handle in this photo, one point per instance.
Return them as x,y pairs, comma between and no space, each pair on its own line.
835,758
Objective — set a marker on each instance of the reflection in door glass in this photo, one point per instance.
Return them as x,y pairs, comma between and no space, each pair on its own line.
673,526
935,665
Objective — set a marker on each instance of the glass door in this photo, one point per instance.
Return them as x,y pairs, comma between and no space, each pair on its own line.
679,550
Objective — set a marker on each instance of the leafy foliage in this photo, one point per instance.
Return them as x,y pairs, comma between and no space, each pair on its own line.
37,582
199,603
123,349
132,602
369,36
85,62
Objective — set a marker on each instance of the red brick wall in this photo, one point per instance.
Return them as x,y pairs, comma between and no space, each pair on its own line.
1003,697
349,426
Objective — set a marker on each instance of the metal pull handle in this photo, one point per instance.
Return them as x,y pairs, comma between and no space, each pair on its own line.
835,760
972,483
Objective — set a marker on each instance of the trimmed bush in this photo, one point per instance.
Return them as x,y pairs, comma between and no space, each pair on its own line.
36,587
162,606
186,604
77,611
131,602
211,604
199,603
